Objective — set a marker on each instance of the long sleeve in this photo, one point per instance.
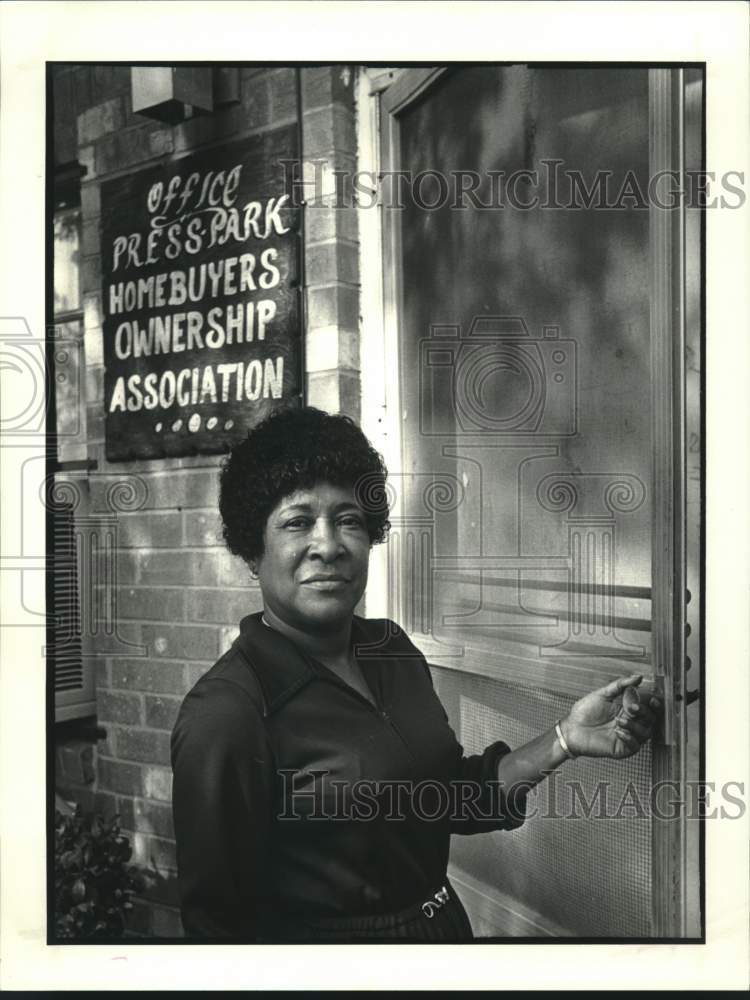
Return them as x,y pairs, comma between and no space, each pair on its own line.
482,804
222,807
494,807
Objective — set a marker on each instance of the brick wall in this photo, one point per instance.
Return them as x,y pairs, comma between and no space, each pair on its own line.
179,594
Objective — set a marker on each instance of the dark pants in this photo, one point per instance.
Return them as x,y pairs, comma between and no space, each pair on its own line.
439,917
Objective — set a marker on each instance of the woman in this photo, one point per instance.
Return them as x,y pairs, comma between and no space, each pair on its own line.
316,777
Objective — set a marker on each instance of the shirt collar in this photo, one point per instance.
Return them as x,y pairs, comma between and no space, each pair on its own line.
281,667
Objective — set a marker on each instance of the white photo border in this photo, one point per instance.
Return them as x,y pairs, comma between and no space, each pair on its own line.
361,33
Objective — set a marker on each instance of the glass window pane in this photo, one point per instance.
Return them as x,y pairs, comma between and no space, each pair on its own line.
70,405
525,339
67,262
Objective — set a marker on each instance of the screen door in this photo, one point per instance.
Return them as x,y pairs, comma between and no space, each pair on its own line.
546,293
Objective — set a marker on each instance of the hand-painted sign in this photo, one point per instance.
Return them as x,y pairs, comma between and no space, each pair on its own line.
200,262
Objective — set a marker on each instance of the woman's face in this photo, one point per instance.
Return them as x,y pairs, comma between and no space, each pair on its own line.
313,570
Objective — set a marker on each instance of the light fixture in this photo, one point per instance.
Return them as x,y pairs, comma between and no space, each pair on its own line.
172,93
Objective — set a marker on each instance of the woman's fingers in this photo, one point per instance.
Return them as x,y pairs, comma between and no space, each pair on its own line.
640,730
630,706
642,714
636,716
616,687
635,710
638,713
639,719
627,738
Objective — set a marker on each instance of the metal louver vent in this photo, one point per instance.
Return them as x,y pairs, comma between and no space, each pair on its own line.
72,672
66,651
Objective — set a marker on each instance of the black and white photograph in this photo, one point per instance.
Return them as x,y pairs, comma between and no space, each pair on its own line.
363,453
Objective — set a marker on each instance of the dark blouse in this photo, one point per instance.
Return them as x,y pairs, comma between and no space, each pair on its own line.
294,794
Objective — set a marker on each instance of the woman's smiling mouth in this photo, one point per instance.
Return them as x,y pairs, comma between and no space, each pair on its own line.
328,582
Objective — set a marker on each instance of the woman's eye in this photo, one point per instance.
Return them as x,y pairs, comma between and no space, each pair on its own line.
352,521
297,522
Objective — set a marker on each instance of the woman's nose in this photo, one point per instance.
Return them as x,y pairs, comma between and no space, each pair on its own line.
325,539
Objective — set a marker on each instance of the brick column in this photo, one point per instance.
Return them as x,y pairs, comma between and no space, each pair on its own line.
331,240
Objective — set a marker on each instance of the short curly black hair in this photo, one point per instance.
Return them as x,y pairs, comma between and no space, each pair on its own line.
294,449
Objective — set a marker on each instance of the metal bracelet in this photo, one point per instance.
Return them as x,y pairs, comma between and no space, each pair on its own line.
561,740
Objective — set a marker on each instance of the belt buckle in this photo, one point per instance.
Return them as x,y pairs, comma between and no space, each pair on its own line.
431,906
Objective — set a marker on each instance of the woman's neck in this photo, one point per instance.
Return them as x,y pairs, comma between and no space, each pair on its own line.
326,646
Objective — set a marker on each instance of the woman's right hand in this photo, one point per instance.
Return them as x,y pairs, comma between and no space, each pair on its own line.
613,721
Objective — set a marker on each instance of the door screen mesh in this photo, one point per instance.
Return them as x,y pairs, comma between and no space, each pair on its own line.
583,857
